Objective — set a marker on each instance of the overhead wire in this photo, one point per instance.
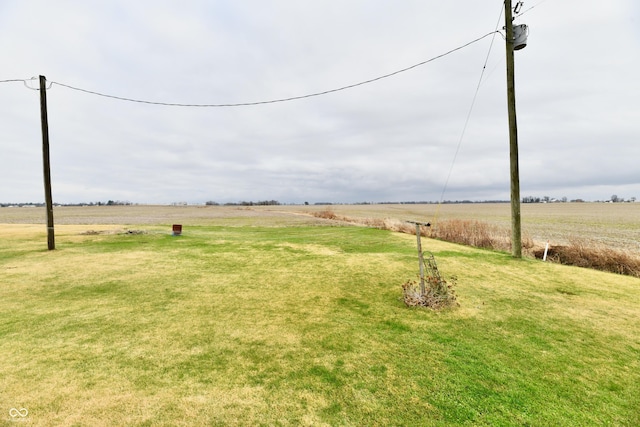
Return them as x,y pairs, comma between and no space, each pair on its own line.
273,101
24,81
466,123
12,80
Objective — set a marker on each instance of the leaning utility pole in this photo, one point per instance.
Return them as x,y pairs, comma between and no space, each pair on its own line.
51,243
516,235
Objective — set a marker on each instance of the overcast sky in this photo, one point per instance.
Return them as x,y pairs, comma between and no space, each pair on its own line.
395,139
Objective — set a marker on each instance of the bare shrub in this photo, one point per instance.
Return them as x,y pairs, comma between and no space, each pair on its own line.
433,292
325,214
438,293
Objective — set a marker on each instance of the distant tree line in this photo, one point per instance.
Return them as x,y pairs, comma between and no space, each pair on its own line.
259,203
547,199
528,199
431,202
616,199
39,205
21,205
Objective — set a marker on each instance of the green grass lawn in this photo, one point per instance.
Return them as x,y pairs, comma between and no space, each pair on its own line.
305,326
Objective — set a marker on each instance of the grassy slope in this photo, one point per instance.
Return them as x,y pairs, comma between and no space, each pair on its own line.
304,326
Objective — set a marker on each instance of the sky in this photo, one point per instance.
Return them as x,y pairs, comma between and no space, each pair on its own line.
438,131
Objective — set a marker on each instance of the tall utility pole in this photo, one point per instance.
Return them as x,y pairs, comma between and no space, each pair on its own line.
516,234
51,242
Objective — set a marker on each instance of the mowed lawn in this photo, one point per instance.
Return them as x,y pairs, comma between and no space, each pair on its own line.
304,325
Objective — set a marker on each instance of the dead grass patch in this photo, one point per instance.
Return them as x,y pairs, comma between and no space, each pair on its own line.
309,248
93,232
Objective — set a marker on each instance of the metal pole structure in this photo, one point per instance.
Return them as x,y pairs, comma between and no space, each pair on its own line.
51,242
516,233
420,260
420,254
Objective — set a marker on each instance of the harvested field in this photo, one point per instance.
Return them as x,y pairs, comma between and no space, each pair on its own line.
157,215
613,225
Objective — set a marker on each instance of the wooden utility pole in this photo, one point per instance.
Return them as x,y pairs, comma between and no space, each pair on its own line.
516,233
51,242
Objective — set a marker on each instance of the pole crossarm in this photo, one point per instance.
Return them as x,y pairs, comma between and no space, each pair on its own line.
426,224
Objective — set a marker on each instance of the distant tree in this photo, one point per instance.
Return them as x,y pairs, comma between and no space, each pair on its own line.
531,199
615,198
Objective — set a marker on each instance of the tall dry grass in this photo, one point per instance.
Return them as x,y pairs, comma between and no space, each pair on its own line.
579,252
589,254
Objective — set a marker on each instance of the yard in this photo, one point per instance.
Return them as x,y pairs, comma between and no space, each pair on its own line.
278,319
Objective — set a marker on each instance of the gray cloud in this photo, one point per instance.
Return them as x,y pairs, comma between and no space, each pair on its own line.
390,140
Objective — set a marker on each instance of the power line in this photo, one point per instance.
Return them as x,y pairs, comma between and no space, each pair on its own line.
293,98
466,123
13,80
24,81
